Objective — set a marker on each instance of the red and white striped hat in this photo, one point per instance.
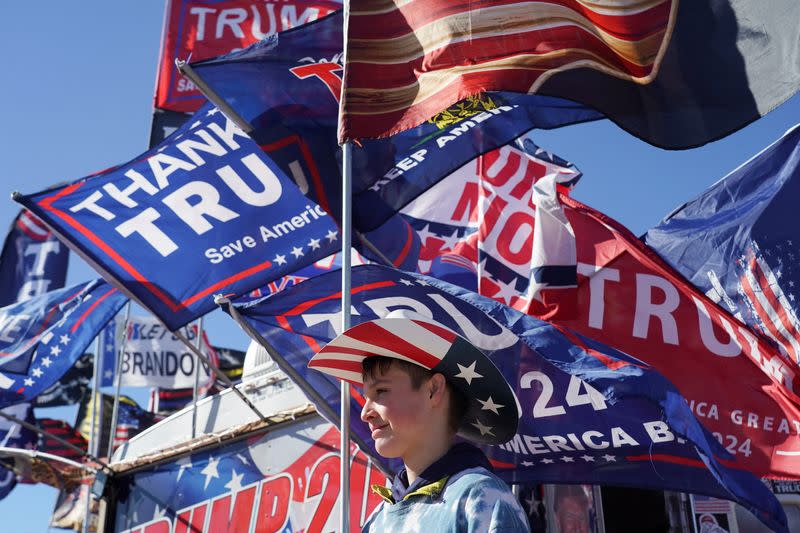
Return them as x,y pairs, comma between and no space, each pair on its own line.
493,412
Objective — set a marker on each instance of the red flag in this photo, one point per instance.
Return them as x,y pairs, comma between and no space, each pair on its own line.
406,61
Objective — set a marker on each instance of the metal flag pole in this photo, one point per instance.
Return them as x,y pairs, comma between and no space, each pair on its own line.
199,334
219,373
118,378
97,396
344,391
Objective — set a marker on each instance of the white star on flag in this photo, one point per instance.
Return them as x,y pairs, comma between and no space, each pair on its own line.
451,241
235,484
184,463
63,339
547,461
331,235
468,372
108,374
587,458
424,233
243,459
297,252
55,350
485,430
422,282
610,458
567,459
313,244
407,282
489,405
212,111
527,463
210,471
506,292
280,259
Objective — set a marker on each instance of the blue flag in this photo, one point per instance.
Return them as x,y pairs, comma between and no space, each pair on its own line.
287,86
33,260
13,435
739,242
204,212
41,338
590,414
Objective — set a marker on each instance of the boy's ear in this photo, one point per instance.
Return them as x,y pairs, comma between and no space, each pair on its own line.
436,387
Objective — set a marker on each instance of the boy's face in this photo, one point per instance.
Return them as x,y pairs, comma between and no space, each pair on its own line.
396,413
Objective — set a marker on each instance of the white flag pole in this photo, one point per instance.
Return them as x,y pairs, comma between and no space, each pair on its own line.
198,365
119,351
344,393
93,437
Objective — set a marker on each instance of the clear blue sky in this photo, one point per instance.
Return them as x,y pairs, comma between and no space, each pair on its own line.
77,84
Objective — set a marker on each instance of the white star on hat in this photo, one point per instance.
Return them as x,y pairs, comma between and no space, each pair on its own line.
37,373
468,372
55,350
46,361
489,405
28,382
485,430
64,339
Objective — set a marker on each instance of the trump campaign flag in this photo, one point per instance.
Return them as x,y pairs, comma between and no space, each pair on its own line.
41,338
206,211
483,236
589,414
736,243
287,87
208,28
676,74
33,261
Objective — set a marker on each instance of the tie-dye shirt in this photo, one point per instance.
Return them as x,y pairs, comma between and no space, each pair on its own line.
471,501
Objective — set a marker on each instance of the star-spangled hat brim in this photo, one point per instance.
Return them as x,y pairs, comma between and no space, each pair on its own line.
493,412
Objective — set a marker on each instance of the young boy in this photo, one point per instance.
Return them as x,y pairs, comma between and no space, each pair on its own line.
423,384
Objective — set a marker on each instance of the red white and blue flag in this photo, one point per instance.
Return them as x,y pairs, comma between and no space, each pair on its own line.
42,337
205,212
407,61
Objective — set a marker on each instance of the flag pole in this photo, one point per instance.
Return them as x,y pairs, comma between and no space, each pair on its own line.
347,219
92,445
118,378
199,334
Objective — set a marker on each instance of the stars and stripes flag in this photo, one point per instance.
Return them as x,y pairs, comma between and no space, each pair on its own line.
64,430
737,242
590,414
407,61
132,420
41,338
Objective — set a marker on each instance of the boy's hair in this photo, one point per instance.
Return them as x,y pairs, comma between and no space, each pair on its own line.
378,365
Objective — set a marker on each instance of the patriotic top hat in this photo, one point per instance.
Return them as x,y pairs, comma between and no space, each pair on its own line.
493,411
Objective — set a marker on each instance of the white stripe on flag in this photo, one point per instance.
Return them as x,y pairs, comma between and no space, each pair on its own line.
772,317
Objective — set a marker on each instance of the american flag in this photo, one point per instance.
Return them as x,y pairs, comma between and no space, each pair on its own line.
408,60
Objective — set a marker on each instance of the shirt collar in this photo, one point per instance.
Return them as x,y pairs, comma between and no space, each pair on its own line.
460,456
